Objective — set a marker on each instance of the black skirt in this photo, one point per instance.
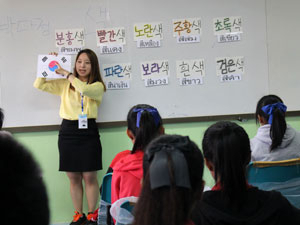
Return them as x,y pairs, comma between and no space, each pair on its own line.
79,149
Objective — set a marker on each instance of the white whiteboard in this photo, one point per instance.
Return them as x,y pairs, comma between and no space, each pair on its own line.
284,50
27,29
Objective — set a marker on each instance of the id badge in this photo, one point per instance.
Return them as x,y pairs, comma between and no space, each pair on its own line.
82,121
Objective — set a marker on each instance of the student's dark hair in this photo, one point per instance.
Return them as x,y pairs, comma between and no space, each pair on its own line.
27,201
171,204
148,127
278,126
95,69
1,118
226,145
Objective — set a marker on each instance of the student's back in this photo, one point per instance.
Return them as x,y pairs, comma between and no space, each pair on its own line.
172,183
275,140
259,208
24,194
143,124
232,200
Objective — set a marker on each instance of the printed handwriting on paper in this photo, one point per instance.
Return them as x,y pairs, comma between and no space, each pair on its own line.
149,43
226,25
190,68
69,50
111,36
186,26
230,65
47,64
229,78
224,38
117,84
69,41
112,72
187,81
152,69
111,49
187,30
148,31
158,81
69,38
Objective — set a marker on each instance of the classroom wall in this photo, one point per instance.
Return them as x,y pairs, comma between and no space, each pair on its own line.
43,146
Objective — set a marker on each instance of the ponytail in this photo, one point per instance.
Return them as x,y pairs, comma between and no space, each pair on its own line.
144,122
278,128
272,109
226,145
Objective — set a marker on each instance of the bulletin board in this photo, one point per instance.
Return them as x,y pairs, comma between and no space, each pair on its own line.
27,30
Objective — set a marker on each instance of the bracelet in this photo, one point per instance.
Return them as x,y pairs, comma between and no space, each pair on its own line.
69,74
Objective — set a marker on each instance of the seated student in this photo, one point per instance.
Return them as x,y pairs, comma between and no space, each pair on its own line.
275,140
3,132
172,183
24,194
232,200
143,124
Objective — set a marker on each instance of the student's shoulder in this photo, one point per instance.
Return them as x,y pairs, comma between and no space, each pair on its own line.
119,156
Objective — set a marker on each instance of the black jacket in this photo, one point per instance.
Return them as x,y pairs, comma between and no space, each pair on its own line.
258,208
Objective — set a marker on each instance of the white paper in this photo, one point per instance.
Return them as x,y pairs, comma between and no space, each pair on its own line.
107,36
117,71
188,39
230,65
117,84
69,38
187,81
230,78
227,25
186,27
111,48
147,31
223,38
190,68
69,50
157,81
154,69
148,43
46,65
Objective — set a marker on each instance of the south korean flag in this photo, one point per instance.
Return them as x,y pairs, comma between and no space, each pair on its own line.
47,64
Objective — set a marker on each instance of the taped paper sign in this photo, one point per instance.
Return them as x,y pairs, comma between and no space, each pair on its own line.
69,41
190,68
187,30
148,35
230,68
111,40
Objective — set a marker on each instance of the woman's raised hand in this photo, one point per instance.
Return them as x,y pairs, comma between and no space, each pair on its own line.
59,70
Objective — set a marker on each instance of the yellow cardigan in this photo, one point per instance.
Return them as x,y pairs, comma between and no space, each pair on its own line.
70,106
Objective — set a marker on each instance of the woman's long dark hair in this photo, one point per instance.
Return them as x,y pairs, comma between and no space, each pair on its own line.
226,145
278,126
147,130
95,70
170,205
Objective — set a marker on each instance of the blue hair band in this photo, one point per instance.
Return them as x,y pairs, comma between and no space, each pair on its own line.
152,111
269,109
